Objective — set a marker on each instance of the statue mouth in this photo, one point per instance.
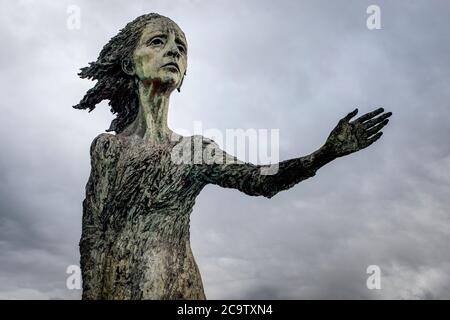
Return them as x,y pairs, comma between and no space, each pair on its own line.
172,65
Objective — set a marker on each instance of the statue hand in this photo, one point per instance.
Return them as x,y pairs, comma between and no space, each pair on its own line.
348,137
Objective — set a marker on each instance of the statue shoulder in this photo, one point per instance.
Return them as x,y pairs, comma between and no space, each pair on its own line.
104,143
213,153
206,142
197,141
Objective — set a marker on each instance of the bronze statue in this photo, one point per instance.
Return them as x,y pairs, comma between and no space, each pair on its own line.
135,236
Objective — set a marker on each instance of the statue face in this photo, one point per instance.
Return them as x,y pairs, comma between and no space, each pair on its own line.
161,54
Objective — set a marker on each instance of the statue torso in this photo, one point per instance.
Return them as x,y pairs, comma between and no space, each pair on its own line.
137,197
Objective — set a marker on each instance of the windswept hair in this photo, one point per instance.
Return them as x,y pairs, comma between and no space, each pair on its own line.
113,83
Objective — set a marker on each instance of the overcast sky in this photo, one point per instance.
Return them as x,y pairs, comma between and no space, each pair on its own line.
296,66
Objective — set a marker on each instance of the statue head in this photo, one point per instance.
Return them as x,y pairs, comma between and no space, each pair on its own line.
151,50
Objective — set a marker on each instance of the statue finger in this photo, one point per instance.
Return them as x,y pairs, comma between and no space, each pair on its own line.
376,128
373,139
351,114
377,120
369,115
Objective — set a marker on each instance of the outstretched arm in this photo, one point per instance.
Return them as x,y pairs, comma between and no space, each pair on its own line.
347,137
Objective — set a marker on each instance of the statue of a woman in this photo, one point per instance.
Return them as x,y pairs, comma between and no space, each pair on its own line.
135,235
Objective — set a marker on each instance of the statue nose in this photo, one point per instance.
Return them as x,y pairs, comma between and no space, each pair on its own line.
173,51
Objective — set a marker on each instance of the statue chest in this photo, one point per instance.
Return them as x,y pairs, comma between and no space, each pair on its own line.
148,178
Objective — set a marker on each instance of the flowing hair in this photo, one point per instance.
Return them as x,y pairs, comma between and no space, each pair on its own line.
113,83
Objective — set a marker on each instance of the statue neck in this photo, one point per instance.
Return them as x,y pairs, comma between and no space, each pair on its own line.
151,121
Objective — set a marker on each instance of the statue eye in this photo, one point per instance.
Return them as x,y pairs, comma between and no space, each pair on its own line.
157,41
182,49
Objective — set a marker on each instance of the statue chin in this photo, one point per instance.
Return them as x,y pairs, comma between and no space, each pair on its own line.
171,77
168,81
